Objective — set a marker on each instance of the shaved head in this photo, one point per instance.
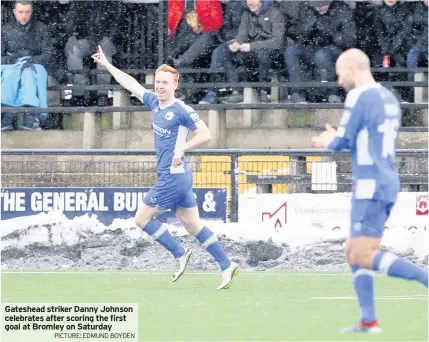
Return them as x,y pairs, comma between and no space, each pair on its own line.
356,58
352,67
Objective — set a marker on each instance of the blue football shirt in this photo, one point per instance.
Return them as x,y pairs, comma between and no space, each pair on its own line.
369,128
171,126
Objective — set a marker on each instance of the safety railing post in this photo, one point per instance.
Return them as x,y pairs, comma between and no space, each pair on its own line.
234,187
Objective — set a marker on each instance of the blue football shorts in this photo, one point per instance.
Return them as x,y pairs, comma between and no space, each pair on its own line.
172,191
368,217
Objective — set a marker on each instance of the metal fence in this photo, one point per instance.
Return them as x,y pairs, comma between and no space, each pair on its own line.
239,171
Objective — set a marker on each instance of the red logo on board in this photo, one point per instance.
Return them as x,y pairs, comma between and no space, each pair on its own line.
278,216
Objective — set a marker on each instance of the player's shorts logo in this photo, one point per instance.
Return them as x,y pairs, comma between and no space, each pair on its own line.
169,116
357,226
153,199
422,205
278,216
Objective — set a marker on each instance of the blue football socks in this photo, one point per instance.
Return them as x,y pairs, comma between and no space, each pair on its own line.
161,235
363,281
397,267
210,242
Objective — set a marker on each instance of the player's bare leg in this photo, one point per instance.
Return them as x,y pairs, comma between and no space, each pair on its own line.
363,282
365,257
145,219
190,219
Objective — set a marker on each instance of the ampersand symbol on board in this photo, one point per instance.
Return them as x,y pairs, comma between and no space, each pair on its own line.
209,204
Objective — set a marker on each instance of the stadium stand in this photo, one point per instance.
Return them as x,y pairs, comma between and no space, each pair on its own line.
250,124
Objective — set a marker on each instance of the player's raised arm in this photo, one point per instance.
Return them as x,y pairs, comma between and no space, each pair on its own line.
125,80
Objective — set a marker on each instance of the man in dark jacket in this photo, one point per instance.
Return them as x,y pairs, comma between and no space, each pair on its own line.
324,29
89,24
259,38
420,40
24,40
25,37
231,22
394,28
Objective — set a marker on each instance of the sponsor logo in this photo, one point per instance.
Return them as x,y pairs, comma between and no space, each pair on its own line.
194,116
421,205
412,229
278,216
318,210
160,130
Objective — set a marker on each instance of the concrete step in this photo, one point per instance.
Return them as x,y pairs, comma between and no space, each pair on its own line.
143,139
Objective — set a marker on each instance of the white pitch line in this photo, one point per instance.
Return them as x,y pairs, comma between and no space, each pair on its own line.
410,297
164,273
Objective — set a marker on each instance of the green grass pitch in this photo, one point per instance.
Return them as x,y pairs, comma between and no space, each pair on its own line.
258,307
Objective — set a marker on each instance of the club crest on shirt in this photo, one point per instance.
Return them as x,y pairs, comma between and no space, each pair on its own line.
169,116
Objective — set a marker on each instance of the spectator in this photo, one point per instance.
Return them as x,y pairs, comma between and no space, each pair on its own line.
26,49
364,14
192,26
231,21
233,12
420,40
323,30
259,38
393,27
290,10
90,23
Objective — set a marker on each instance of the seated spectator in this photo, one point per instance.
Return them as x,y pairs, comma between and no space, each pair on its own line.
419,42
90,23
393,28
364,14
259,39
324,29
192,26
231,22
290,10
26,49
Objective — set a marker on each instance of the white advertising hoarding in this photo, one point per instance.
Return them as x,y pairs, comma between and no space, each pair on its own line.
326,211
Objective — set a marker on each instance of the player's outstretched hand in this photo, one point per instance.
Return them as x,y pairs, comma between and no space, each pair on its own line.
329,128
177,158
323,140
99,57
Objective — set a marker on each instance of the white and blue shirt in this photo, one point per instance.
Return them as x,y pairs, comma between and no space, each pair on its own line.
171,126
369,127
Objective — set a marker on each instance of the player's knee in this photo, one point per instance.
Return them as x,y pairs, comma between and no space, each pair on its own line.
366,258
349,258
352,257
141,221
349,252
361,256
192,227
